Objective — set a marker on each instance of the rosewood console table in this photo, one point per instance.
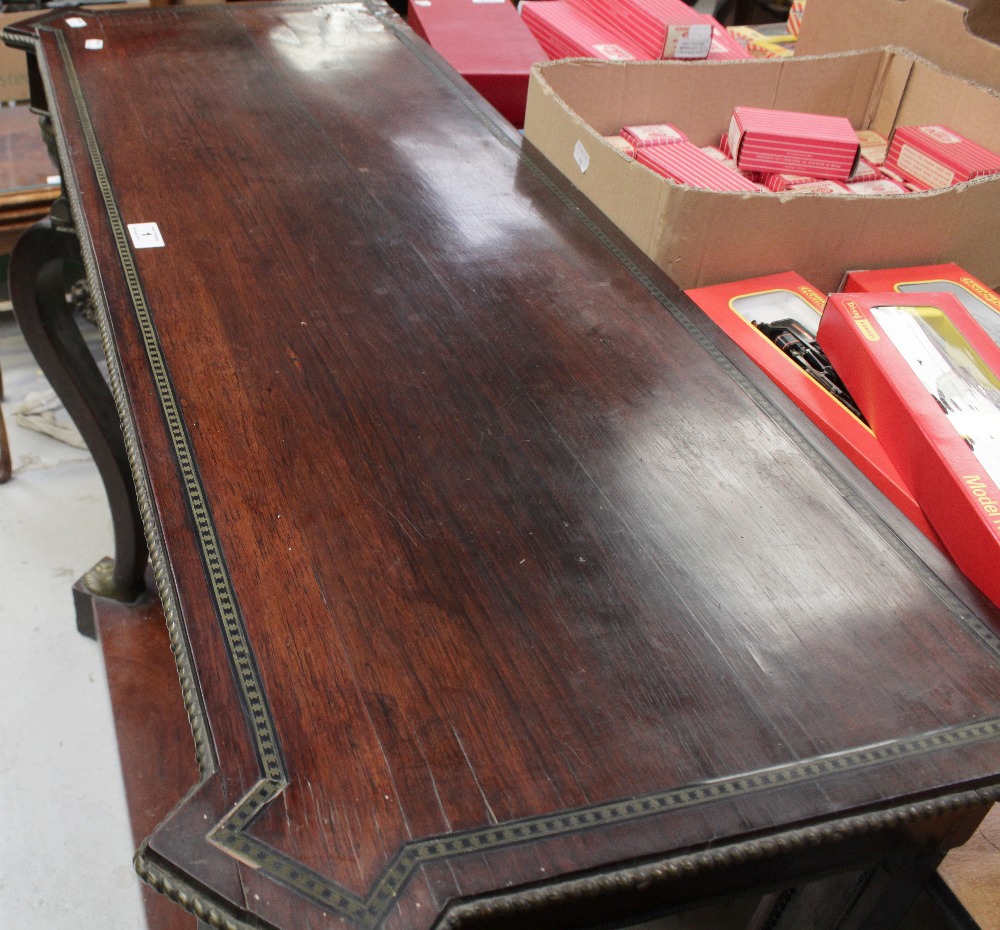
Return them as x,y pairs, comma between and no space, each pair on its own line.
504,591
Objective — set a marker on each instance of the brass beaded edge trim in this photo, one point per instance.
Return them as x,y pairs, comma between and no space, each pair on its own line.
522,903
227,609
181,892
178,645
371,911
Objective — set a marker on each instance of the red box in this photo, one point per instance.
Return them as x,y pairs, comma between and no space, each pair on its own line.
733,307
653,134
785,142
484,42
881,187
563,31
863,171
687,164
820,187
657,28
783,182
976,297
932,157
927,377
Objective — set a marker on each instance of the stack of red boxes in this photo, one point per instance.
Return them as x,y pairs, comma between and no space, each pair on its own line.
563,31
639,29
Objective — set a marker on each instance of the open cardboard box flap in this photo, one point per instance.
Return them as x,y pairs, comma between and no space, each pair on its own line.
965,41
702,237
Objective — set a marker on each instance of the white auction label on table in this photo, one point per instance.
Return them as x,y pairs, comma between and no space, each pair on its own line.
145,235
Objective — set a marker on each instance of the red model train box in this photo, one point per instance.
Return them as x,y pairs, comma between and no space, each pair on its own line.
927,377
982,302
737,306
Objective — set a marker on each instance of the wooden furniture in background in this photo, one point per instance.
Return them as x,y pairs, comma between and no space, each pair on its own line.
27,192
504,590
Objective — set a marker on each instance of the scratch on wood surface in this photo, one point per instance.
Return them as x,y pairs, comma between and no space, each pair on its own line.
475,778
396,518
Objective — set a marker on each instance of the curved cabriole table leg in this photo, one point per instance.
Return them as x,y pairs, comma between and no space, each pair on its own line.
5,463
38,293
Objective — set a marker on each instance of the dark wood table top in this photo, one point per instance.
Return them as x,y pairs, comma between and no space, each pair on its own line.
497,576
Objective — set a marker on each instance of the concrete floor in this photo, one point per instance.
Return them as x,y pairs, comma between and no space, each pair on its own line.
65,846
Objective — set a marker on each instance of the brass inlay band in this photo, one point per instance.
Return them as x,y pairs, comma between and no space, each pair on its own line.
226,606
370,911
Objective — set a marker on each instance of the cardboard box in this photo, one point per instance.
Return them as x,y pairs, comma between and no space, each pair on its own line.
736,305
962,41
980,301
486,43
928,379
13,63
700,237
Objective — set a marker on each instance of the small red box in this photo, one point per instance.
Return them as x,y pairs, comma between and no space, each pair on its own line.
863,171
933,157
786,142
820,187
563,31
652,134
783,182
928,379
486,43
949,278
735,306
658,28
687,164
881,187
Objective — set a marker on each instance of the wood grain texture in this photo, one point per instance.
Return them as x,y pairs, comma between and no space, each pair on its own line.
496,567
154,740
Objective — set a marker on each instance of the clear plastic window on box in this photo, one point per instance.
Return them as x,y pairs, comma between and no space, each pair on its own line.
964,386
771,306
985,315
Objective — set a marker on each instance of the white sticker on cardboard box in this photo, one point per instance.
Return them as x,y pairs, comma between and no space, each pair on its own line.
54,179
145,235
76,22
94,44
581,157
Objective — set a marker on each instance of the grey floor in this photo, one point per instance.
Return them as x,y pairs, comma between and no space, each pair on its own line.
65,846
